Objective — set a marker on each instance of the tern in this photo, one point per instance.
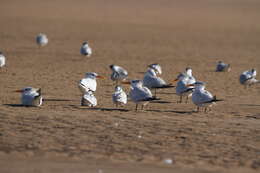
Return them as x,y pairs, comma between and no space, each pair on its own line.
85,49
202,97
182,89
31,96
118,73
89,83
222,67
248,78
156,67
2,60
152,81
119,97
188,72
89,99
42,40
139,94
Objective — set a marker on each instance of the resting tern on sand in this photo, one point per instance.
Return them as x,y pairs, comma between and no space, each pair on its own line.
139,93
89,83
41,40
89,99
248,78
152,81
2,60
182,89
221,67
85,49
119,97
118,73
201,97
31,96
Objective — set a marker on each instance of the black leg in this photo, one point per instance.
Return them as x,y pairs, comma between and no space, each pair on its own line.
187,99
136,106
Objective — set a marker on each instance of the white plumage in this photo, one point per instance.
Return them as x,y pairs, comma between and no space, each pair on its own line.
182,89
2,60
89,99
88,83
85,49
156,67
248,78
119,97
41,39
118,73
31,96
191,79
140,93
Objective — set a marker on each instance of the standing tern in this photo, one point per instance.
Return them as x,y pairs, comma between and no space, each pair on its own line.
89,99
221,67
152,81
31,96
248,78
201,97
85,49
119,97
41,39
182,89
2,60
118,73
89,83
139,94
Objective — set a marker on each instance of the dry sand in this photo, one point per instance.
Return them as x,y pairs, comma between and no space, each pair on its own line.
62,136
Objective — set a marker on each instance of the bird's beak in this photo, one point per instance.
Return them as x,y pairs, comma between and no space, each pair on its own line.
126,82
18,91
100,77
176,79
189,85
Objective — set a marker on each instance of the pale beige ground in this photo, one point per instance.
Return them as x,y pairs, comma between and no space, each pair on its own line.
62,136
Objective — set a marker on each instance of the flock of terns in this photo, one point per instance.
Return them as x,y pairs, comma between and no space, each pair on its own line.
140,90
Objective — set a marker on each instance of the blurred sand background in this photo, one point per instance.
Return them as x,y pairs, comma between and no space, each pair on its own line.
62,136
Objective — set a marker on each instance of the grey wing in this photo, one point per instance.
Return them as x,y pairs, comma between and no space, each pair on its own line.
153,82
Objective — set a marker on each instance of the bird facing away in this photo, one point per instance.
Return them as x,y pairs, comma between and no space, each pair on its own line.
201,97
2,60
152,81
248,78
89,83
188,72
139,94
85,49
89,99
156,67
42,40
31,96
119,97
222,67
118,73
182,89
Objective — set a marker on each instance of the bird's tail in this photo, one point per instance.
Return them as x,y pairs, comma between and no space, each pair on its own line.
167,86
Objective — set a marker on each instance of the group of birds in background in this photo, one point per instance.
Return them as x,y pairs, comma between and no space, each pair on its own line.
140,90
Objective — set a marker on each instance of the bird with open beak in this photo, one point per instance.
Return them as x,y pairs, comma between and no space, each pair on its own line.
31,96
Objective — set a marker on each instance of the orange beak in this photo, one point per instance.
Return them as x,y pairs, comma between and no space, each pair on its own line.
100,77
176,79
189,85
19,91
126,82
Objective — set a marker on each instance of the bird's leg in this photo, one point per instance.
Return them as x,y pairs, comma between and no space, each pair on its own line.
155,93
116,104
205,110
136,106
187,99
82,101
198,108
180,99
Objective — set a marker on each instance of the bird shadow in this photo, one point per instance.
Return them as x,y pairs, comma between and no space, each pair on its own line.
100,109
15,105
160,101
251,105
166,93
57,100
172,111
